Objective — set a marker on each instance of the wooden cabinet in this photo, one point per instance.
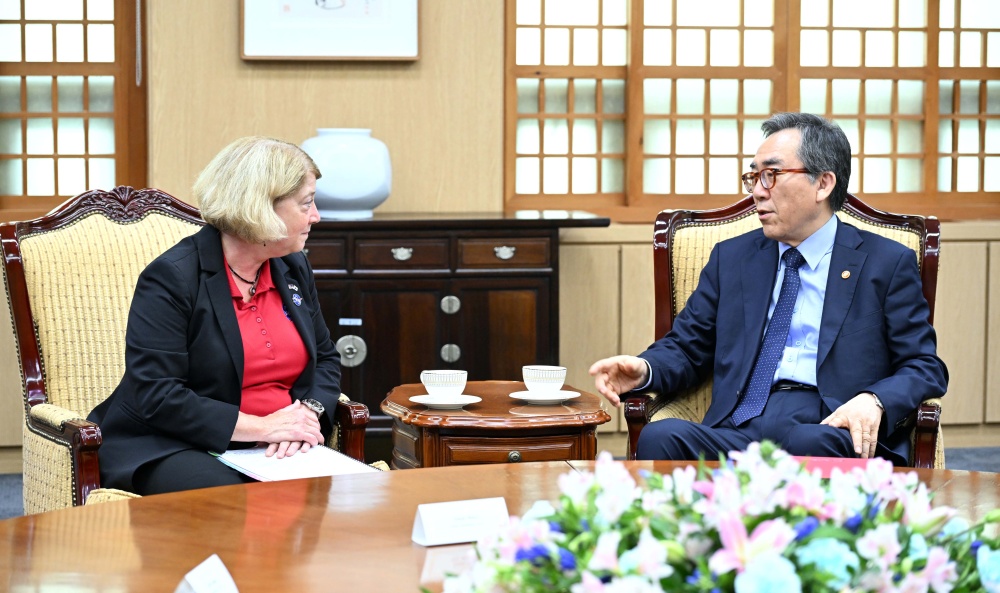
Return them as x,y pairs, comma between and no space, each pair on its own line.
405,293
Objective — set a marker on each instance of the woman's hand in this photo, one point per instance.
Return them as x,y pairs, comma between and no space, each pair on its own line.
288,430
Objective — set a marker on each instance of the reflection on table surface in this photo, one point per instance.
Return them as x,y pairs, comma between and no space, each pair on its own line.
346,533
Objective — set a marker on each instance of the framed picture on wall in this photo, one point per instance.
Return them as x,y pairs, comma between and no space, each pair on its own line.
328,29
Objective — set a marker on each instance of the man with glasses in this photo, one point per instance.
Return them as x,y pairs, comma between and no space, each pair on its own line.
842,350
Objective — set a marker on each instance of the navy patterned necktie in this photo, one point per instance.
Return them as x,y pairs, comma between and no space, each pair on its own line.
773,346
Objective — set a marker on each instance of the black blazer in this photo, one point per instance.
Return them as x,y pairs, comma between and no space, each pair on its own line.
184,358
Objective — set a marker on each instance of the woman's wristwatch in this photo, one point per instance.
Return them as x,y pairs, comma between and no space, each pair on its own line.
315,406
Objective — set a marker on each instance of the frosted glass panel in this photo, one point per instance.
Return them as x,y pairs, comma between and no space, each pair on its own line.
527,95
102,174
656,136
813,48
101,136
10,45
968,136
969,96
690,96
909,175
527,47
752,135
992,96
944,136
40,136
72,177
527,139
615,12
69,135
613,137
812,95
691,179
39,93
556,95
612,175
555,175
557,47
968,174
41,177
10,136
585,137
992,136
758,13
850,128
863,13
993,49
585,47
970,47
758,48
947,14
11,182
944,174
101,10
878,137
991,174
584,175
690,137
37,47
878,97
47,10
723,96
526,175
723,176
585,95
10,10
912,47
880,49
910,95
70,93
912,13
847,48
946,96
980,14
814,13
846,96
615,47
528,12
911,137
946,49
100,43
555,136
691,47
102,93
614,96
571,12
878,175
757,97
656,96
656,176
723,137
724,47
10,94
658,14
708,13
69,43
656,49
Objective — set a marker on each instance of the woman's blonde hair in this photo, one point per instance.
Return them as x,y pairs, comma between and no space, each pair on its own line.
237,191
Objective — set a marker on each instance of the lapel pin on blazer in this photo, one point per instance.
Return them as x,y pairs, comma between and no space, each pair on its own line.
293,287
845,274
297,299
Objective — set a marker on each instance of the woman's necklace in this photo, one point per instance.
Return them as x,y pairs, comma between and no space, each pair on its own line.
253,285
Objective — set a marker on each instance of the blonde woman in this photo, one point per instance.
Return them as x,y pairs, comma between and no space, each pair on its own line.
226,345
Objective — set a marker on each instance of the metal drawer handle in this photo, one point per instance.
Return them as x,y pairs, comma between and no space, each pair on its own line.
402,253
514,456
504,252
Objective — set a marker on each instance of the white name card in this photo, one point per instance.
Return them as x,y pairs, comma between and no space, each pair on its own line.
211,576
457,522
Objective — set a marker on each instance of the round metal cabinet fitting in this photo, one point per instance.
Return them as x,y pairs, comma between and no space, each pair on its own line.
451,304
450,352
514,456
352,349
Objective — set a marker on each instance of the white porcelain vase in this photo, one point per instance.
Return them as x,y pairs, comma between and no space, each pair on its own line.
357,172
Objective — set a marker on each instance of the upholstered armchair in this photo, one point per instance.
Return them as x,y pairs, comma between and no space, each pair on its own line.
682,242
69,278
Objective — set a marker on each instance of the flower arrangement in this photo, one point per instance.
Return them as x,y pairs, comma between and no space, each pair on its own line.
759,523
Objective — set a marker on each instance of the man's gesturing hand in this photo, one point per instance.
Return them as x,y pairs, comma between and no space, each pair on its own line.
617,375
862,416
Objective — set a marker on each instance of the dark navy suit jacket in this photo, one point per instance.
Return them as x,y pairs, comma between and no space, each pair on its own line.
874,335
184,358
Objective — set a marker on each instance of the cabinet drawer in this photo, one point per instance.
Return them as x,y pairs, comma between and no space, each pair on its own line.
503,253
466,450
327,255
405,253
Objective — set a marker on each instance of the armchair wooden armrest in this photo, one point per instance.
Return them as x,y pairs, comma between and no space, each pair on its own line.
928,446
63,442
351,420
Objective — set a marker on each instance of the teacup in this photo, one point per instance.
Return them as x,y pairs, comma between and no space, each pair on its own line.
542,378
444,383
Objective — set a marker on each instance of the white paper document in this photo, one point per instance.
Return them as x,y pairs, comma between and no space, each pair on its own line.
457,522
211,576
314,463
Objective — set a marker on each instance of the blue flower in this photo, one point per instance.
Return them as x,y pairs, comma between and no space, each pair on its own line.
555,527
988,563
768,573
567,561
805,527
584,525
854,523
832,557
536,554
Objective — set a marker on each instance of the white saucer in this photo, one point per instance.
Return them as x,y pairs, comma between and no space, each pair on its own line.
544,398
445,402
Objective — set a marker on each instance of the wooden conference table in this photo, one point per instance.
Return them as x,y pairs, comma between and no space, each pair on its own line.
347,533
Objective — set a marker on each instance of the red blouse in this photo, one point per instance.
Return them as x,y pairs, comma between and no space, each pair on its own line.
273,352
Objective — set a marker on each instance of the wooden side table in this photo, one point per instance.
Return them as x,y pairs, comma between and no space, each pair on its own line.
498,429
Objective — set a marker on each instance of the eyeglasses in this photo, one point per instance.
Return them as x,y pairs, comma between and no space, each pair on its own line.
766,177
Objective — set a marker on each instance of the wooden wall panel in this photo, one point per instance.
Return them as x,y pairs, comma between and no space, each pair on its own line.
11,406
441,116
993,333
638,298
960,320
